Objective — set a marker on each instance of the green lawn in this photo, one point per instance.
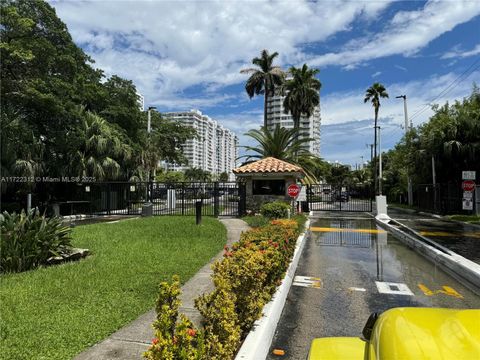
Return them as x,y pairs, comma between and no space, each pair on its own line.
56,312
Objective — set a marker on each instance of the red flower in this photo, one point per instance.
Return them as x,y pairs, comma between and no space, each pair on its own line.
275,245
228,253
155,341
225,248
191,332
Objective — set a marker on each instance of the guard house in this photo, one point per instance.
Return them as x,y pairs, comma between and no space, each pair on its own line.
268,179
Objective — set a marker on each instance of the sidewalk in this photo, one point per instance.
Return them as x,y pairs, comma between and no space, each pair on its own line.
132,340
459,237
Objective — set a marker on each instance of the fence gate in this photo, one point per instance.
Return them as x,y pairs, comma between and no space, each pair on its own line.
128,198
334,197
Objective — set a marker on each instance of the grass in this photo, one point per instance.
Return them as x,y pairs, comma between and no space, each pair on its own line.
471,219
58,311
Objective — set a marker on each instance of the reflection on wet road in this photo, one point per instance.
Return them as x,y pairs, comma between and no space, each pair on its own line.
360,269
461,238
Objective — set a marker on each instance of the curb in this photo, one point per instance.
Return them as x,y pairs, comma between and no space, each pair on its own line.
440,217
465,271
258,341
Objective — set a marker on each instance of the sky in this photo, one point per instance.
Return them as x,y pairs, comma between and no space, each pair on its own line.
185,55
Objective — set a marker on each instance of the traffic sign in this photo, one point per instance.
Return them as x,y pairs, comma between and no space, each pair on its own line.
468,175
293,190
468,185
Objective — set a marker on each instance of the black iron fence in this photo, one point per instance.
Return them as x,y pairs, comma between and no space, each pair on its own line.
337,197
440,198
129,198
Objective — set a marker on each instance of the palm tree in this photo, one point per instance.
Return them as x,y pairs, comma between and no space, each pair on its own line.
264,79
100,148
283,144
373,94
302,93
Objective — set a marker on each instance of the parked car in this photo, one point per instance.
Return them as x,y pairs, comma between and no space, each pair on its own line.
408,334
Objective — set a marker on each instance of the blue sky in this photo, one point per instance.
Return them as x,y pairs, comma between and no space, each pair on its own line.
188,54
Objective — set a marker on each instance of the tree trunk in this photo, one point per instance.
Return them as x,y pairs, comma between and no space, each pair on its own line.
265,100
375,152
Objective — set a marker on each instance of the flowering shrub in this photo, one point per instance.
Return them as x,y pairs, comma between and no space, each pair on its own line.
245,280
174,340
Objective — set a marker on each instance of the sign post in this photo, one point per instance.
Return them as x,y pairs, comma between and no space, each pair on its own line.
468,186
293,190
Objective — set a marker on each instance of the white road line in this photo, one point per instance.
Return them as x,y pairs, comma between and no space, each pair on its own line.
357,289
393,288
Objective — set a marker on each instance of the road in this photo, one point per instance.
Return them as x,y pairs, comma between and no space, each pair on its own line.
461,238
347,264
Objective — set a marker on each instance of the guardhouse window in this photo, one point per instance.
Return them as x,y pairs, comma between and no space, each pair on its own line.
268,187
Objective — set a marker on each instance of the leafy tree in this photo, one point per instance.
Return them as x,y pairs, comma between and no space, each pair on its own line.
264,78
283,144
170,177
373,94
223,177
99,148
197,174
302,93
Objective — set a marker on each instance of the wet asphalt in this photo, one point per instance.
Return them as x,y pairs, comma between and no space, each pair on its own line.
344,260
464,239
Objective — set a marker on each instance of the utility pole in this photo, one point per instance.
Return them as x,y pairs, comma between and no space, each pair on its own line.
380,159
434,180
409,180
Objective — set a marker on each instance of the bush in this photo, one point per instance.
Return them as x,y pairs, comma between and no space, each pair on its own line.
30,239
174,340
256,221
275,210
245,280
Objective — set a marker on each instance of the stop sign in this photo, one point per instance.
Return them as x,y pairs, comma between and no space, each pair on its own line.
293,190
468,185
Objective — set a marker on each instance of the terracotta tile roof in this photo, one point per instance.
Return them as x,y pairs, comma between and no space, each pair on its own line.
268,165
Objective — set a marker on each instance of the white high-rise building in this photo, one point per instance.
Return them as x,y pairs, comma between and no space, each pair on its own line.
140,101
309,127
214,149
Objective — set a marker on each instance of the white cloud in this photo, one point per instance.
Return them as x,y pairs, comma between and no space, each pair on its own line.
166,47
374,75
346,113
405,34
343,107
456,52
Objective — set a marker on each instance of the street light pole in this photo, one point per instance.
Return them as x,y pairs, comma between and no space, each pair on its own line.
380,160
409,180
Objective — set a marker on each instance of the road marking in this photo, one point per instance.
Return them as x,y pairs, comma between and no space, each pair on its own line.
444,233
326,229
357,289
307,281
447,290
393,288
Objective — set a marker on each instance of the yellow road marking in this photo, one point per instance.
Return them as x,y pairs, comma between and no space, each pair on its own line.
444,233
447,290
325,229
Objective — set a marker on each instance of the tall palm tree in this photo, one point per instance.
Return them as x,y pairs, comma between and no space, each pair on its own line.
373,94
264,78
283,144
302,93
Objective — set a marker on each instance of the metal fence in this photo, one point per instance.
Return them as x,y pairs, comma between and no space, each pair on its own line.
333,197
440,198
128,198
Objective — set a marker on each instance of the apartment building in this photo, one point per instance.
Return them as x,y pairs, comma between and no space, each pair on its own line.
140,101
309,127
215,148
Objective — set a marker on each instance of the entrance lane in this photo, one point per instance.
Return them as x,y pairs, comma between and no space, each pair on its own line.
346,262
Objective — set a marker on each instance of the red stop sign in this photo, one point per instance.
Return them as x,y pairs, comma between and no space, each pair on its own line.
293,190
468,185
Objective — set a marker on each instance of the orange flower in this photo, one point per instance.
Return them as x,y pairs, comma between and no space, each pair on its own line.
191,332
155,341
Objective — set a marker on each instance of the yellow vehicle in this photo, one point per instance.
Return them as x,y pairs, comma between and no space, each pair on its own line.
408,333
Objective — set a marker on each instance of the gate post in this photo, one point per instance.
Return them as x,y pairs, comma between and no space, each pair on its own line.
183,198
243,199
215,200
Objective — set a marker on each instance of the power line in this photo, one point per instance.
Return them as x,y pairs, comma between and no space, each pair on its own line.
448,88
